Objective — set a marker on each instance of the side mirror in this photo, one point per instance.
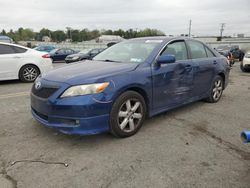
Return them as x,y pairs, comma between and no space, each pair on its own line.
165,59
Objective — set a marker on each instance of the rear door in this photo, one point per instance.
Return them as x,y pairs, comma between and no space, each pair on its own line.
10,57
206,61
173,83
60,55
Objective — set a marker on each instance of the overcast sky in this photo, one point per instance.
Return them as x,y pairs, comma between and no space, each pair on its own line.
170,16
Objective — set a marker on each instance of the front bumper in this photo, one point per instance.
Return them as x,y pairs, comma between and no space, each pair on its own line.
87,126
246,63
71,60
82,115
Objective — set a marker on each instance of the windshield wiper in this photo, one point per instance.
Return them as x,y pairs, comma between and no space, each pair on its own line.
109,60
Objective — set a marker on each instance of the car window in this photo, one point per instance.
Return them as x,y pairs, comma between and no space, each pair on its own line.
18,49
95,51
68,51
6,49
41,48
178,49
209,53
197,50
61,51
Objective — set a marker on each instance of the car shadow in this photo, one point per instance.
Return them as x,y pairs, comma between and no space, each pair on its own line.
7,82
105,138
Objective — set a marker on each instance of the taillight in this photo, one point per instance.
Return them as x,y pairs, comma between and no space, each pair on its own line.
46,56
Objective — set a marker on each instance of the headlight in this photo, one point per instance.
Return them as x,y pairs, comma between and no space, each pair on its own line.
85,89
75,58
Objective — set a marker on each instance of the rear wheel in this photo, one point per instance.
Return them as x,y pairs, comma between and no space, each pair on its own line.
28,73
217,90
128,114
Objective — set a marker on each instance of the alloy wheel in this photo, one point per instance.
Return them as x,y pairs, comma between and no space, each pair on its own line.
217,90
30,73
130,115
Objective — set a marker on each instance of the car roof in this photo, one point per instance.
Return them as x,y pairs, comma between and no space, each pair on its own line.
164,38
16,45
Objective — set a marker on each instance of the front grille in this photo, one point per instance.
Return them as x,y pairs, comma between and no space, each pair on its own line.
44,92
42,116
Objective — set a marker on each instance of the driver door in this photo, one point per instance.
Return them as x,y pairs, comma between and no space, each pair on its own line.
173,83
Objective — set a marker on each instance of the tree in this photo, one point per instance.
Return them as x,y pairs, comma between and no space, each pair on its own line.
58,36
44,32
3,32
75,36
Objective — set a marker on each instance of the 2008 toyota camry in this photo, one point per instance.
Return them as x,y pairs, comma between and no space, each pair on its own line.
127,83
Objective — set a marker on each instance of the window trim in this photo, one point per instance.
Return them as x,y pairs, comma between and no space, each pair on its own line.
207,48
171,42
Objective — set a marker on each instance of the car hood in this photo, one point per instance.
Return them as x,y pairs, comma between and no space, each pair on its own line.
87,72
76,55
73,55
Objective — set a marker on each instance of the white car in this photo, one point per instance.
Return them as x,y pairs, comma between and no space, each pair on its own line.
18,62
245,65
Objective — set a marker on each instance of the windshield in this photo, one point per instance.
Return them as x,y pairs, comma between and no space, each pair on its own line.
53,51
85,51
129,51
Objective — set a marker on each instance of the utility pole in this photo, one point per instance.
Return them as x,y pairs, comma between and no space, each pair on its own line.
222,29
190,26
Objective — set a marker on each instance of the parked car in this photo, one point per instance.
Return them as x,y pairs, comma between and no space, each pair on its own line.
5,39
18,62
44,48
228,55
126,83
233,51
245,65
59,55
83,55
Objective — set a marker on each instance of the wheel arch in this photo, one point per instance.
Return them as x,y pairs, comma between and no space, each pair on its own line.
223,77
139,90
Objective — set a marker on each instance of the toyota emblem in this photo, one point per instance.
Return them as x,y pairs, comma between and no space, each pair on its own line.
38,85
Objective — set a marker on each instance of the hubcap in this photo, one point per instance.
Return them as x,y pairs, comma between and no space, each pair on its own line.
130,115
217,91
30,74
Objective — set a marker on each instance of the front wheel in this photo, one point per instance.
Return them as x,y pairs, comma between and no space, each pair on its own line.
217,90
127,115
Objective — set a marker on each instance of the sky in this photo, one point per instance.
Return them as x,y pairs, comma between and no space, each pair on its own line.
171,17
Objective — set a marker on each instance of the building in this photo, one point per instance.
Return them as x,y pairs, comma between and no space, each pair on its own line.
5,39
46,39
109,39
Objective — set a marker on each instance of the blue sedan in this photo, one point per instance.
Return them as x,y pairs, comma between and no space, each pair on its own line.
128,82
59,55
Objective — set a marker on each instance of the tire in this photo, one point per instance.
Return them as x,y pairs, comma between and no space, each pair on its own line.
127,114
217,90
28,73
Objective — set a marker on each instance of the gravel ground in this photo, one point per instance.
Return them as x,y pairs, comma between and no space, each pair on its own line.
197,145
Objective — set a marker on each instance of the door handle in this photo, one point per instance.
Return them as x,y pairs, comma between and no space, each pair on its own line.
188,67
17,57
215,62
